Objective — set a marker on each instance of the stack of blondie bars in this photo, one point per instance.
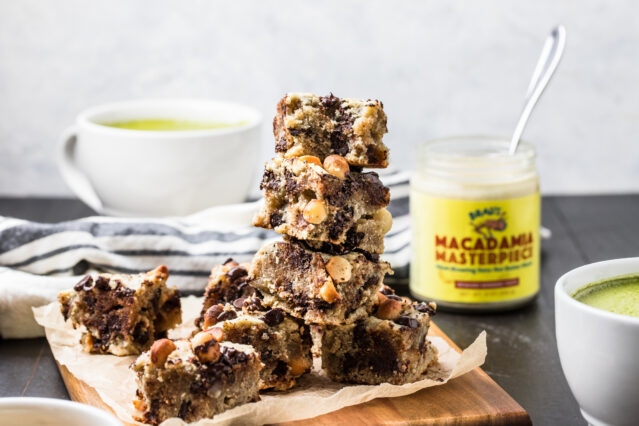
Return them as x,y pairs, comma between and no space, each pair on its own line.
326,271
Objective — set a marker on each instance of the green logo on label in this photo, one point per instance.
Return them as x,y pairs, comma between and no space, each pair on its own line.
485,221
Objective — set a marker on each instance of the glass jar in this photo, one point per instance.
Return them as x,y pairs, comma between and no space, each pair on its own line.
475,213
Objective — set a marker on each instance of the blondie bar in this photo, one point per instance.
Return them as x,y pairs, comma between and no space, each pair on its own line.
317,287
194,379
227,283
306,201
122,314
284,343
306,124
389,346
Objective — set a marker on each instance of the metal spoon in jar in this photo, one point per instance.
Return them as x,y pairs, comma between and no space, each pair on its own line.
544,70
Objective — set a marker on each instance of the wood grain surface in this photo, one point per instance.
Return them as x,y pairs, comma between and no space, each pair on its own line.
472,399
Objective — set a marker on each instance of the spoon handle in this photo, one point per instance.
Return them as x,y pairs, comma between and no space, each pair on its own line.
544,70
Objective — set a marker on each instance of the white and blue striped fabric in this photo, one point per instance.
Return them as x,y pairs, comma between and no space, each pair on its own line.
38,260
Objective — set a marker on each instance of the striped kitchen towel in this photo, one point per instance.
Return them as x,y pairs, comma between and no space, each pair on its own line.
38,260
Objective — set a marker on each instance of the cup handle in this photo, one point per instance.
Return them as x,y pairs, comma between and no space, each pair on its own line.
71,174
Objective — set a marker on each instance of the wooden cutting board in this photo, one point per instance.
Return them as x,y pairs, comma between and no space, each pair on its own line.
472,399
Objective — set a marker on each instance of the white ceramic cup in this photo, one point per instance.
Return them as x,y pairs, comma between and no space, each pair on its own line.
599,350
125,172
48,411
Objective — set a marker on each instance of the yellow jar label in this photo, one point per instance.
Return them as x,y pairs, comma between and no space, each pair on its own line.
469,251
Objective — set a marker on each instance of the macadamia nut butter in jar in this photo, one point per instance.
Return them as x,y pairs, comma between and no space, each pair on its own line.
475,212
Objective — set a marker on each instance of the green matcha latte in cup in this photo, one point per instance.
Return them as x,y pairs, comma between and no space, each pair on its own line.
619,295
597,329
161,157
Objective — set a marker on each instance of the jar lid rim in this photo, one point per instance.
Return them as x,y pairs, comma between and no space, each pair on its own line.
476,147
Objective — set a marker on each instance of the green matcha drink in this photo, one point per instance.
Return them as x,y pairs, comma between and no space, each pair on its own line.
163,124
619,295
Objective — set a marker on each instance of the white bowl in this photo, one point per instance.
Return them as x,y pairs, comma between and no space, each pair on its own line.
125,172
599,350
50,412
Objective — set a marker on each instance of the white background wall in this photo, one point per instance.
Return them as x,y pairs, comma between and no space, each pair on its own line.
440,67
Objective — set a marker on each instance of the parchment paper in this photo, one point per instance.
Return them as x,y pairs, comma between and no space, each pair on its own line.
314,395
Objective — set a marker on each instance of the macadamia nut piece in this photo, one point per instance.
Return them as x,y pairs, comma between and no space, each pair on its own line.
339,269
160,351
315,212
337,166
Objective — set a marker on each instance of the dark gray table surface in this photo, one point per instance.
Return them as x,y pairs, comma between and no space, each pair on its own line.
522,355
